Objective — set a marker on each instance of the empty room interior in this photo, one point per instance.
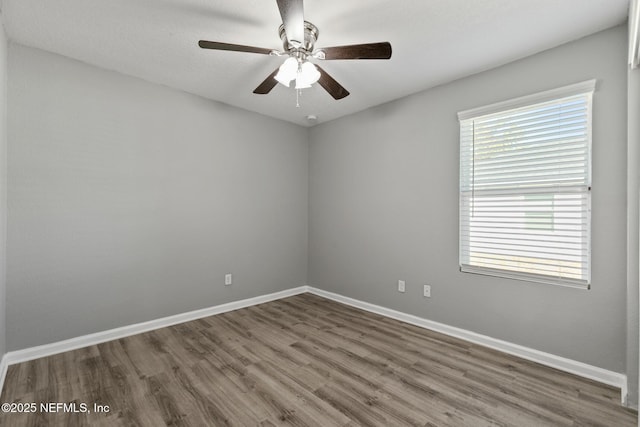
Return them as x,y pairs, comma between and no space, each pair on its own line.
322,213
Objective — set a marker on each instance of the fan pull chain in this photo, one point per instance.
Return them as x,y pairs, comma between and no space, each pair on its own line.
298,97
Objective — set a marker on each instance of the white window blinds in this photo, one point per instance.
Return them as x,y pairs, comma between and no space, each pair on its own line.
525,181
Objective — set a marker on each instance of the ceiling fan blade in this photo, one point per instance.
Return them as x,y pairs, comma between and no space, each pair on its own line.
329,84
359,51
292,13
233,47
268,84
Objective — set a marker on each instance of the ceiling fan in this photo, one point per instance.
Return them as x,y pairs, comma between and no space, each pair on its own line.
298,38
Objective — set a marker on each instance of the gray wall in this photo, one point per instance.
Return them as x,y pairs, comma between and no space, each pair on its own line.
129,201
3,185
384,206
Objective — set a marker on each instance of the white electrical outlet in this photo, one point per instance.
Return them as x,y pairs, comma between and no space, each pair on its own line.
228,279
427,291
400,285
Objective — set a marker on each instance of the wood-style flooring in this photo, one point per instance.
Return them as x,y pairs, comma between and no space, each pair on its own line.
304,361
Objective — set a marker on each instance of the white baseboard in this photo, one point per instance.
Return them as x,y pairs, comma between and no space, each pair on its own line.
614,379
3,371
31,353
568,365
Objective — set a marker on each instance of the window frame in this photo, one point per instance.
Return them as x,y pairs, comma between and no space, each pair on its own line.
586,88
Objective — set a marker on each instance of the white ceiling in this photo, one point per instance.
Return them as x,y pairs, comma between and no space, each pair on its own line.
434,41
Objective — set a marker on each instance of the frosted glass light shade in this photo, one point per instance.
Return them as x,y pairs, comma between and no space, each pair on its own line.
308,74
301,84
287,71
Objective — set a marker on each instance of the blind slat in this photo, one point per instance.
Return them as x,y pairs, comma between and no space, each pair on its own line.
576,112
532,265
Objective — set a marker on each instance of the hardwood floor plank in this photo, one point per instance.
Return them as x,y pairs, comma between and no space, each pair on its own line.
304,361
352,408
283,384
171,412
240,406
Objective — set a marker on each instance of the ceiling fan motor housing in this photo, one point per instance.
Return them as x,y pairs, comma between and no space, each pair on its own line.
311,34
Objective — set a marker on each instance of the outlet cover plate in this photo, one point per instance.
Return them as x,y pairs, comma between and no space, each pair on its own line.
427,291
401,286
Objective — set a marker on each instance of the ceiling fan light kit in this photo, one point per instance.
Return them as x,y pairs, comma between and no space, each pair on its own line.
298,40
304,73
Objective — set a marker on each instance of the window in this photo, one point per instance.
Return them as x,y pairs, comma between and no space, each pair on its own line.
525,187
